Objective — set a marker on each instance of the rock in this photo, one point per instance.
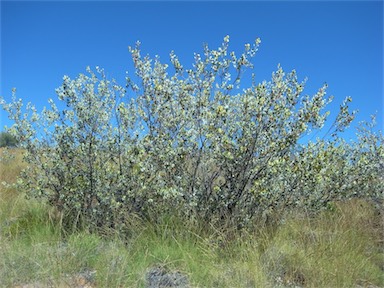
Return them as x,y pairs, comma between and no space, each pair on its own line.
160,277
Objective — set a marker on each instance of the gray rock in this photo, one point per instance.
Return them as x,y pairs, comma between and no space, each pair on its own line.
160,277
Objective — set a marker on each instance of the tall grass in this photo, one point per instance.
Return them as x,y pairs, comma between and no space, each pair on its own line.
341,247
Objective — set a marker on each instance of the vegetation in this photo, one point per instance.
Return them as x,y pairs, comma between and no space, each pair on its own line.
339,247
7,140
191,172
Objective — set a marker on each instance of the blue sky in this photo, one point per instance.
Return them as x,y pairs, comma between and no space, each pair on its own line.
340,43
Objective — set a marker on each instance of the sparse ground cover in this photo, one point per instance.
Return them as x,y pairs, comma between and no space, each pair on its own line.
339,247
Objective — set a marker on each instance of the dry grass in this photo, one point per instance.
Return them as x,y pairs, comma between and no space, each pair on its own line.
11,165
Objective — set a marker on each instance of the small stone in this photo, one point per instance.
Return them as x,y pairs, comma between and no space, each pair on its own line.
159,277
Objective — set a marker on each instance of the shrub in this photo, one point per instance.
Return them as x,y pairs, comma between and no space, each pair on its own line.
191,143
7,140
321,172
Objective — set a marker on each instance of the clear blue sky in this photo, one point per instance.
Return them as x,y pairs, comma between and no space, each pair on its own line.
340,43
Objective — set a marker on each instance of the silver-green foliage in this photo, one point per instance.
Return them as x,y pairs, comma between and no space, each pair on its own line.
320,172
190,142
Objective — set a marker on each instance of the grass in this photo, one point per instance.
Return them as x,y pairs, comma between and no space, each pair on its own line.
338,248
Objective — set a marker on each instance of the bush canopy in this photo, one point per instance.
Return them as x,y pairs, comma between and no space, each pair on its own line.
192,143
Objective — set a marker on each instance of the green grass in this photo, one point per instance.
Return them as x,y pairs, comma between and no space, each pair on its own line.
338,248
